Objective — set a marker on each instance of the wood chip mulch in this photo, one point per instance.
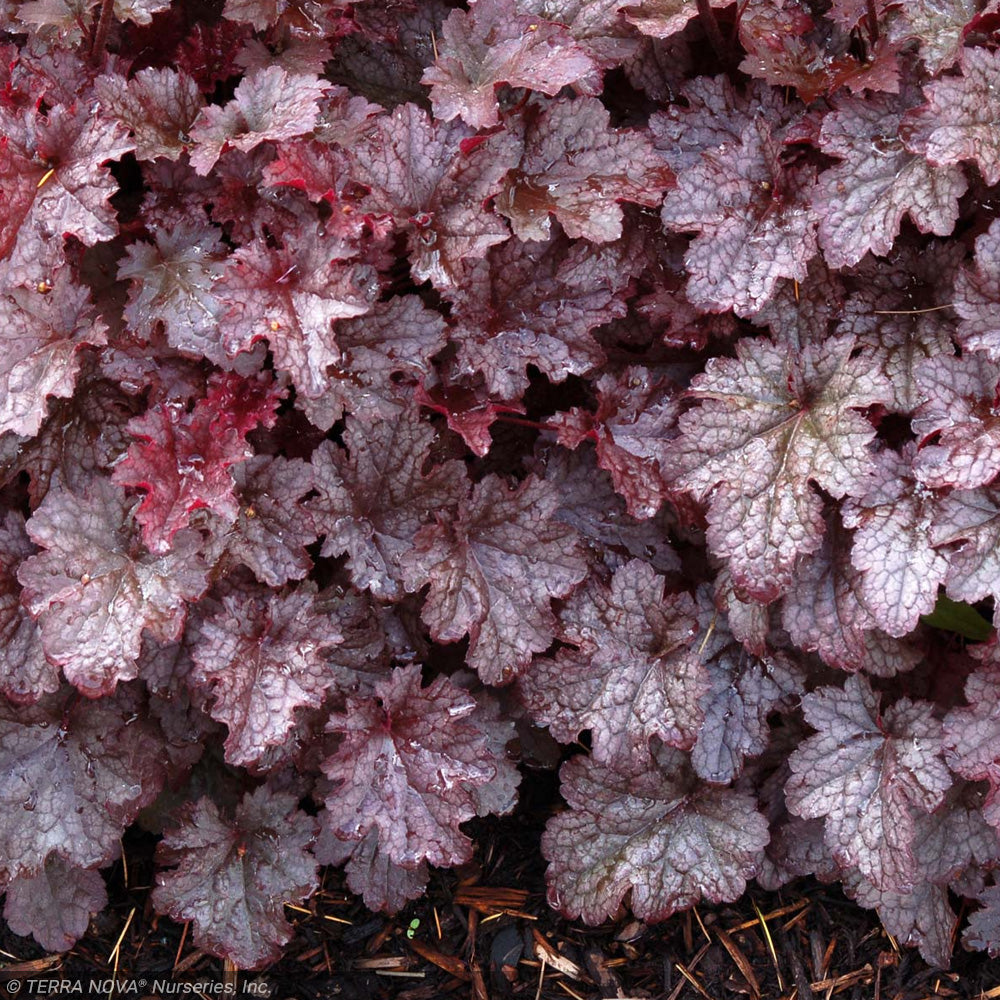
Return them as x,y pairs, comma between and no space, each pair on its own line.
485,932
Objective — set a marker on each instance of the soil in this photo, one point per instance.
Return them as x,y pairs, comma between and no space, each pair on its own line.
485,932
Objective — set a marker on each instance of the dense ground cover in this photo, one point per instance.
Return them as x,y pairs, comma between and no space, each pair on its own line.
402,401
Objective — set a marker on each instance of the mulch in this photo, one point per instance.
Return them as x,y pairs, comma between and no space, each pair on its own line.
485,932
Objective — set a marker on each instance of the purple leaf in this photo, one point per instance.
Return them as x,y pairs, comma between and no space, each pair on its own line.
946,843
972,734
260,661
741,691
960,396
663,18
55,905
409,765
956,123
44,330
897,310
379,353
233,876
578,168
977,294
293,296
434,179
654,830
862,200
158,106
270,104
589,505
633,673
272,528
535,304
382,884
497,42
173,283
634,430
770,423
25,673
753,218
983,932
865,772
970,517
893,550
73,774
374,498
825,612
94,590
493,571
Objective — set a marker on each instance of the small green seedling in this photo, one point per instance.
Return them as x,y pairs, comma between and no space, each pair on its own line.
412,929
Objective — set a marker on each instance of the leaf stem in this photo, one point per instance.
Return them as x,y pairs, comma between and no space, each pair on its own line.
101,32
711,25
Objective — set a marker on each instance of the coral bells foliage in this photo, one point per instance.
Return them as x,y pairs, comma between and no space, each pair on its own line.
381,381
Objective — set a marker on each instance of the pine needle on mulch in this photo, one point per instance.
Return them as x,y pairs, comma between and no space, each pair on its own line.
485,932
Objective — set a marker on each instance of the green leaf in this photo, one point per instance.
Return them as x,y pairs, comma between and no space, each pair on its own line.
957,616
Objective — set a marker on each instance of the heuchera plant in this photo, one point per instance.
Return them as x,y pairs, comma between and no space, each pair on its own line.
645,352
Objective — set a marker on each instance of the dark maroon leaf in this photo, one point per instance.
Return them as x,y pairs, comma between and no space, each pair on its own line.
786,47
493,571
654,830
232,877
